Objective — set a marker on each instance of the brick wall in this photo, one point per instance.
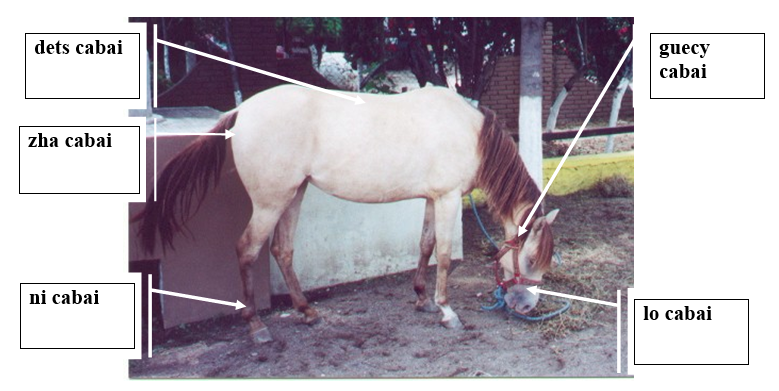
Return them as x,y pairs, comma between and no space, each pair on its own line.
254,44
502,95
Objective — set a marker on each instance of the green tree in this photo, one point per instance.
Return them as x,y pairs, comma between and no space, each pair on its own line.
425,45
320,32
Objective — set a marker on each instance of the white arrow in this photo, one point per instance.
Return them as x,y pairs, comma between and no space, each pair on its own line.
534,290
356,99
238,305
227,134
523,228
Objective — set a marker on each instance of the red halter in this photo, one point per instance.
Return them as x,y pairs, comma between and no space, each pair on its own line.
509,245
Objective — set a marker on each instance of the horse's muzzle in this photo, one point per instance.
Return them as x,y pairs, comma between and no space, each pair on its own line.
520,300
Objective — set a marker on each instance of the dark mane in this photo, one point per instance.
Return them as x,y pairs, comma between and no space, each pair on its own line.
507,184
545,249
502,174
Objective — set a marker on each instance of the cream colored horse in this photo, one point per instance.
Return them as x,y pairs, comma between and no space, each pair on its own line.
428,143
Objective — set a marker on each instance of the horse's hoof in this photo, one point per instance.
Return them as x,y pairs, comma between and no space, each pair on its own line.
452,323
311,317
313,321
427,306
261,336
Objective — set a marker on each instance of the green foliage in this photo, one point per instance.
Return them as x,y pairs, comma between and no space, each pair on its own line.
363,39
379,84
604,40
163,84
476,45
212,26
313,31
425,44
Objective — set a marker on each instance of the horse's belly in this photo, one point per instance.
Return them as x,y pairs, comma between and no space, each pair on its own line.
388,174
371,189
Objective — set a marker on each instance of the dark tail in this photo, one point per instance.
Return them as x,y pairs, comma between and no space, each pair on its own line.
183,183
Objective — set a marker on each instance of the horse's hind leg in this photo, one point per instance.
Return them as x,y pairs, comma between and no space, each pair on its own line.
282,249
248,248
426,246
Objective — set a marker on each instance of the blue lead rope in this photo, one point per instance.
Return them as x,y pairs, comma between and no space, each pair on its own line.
500,302
481,225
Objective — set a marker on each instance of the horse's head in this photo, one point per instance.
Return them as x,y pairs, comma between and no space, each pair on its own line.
533,257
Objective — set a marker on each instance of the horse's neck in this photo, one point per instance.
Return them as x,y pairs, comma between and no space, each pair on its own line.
511,228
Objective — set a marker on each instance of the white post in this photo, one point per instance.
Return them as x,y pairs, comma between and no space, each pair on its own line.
531,98
616,104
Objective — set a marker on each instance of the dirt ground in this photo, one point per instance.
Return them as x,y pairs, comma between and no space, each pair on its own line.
589,145
370,328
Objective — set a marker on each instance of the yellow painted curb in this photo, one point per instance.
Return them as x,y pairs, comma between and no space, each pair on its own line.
578,173
584,171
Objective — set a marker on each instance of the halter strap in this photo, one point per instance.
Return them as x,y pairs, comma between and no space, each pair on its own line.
510,245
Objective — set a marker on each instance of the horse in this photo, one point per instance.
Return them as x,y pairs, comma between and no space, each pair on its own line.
428,143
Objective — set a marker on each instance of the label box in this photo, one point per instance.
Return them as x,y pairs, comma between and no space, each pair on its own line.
735,66
82,76
80,170
722,340
107,325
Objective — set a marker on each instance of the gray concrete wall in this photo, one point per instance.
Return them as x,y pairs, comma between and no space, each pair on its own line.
339,241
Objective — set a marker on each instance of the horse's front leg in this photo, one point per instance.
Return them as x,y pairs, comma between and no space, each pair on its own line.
426,246
446,209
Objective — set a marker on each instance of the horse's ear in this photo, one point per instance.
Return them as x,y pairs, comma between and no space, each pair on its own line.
551,216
